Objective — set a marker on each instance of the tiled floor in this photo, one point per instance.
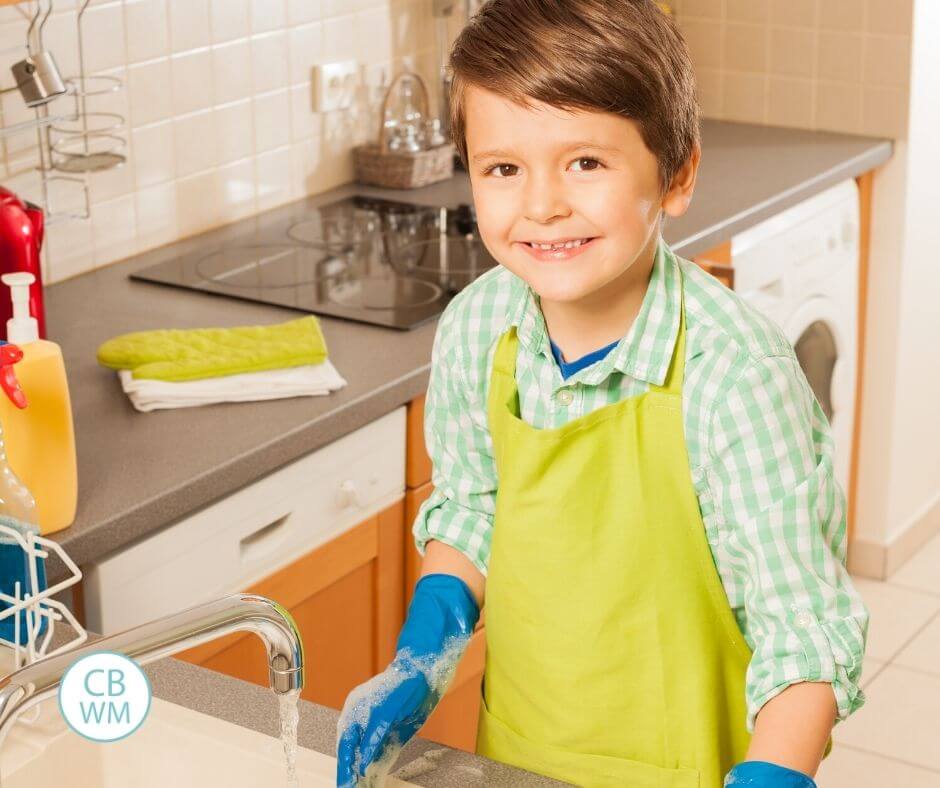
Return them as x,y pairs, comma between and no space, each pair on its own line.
893,741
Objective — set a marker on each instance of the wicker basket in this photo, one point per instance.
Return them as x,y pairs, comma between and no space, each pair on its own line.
376,165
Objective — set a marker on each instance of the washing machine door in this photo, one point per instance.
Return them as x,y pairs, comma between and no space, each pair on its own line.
825,348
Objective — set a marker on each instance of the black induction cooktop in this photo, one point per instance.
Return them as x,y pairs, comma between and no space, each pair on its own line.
368,259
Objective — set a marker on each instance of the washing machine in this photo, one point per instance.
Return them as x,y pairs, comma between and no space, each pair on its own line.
800,268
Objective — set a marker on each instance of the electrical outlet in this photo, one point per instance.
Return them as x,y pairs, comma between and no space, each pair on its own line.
335,85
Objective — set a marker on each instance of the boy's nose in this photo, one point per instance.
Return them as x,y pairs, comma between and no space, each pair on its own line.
544,200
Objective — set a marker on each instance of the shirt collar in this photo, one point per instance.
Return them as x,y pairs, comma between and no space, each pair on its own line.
644,353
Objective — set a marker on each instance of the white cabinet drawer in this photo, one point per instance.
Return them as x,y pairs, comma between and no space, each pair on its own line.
234,542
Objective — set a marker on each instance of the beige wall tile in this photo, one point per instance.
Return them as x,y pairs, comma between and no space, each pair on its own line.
884,111
747,10
839,56
848,15
237,190
790,102
792,52
798,13
156,215
114,224
194,138
745,47
230,19
234,127
154,155
889,16
706,8
839,107
709,94
887,61
745,97
704,40
273,178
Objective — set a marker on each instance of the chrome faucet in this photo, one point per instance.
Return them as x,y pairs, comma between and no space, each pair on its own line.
154,640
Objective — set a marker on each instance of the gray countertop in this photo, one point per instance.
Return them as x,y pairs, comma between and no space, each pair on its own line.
139,472
256,708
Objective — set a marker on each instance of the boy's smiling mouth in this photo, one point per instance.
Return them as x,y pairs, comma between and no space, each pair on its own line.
560,251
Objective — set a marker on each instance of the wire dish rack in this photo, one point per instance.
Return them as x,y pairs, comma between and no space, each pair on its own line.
38,607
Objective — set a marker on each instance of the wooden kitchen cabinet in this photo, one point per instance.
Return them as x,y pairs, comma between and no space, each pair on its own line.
346,599
717,261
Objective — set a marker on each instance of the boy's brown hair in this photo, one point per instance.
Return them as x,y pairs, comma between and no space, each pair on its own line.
620,56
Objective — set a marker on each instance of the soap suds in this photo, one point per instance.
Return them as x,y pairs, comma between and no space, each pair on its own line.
438,672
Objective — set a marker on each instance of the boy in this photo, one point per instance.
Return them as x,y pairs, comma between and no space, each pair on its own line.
626,456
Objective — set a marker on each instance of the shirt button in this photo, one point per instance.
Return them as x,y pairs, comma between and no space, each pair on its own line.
805,618
565,396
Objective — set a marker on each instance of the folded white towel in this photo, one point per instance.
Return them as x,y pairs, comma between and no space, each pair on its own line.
303,381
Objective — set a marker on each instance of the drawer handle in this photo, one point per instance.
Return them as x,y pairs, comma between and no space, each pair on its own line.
348,495
264,541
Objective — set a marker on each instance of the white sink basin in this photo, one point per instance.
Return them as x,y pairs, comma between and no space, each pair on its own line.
175,747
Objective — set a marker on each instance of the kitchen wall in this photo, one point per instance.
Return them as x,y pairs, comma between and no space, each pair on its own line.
899,481
867,67
218,101
839,65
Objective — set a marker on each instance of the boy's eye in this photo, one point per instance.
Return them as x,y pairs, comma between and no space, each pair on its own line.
585,158
498,168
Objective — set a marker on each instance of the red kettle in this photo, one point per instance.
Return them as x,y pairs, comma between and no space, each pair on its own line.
21,234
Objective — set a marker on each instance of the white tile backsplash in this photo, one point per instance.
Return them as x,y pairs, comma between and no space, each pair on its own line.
305,49
271,120
218,100
268,15
230,19
191,80
273,178
268,61
147,29
231,64
194,139
154,154
105,23
149,92
189,24
234,128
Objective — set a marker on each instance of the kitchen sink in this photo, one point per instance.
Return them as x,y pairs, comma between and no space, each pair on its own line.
174,747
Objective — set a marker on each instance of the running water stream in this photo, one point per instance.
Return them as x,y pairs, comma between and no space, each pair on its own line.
289,716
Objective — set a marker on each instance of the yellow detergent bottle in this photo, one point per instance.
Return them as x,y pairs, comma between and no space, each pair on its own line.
40,439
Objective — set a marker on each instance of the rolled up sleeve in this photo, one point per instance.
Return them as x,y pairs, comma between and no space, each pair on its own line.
782,533
459,511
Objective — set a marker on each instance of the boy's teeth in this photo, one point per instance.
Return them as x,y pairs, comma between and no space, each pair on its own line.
569,245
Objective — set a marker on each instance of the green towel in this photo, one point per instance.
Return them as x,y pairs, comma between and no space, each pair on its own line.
191,354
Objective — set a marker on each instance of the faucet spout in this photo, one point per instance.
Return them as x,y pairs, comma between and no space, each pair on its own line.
166,636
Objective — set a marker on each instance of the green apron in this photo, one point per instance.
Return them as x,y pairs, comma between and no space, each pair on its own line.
613,657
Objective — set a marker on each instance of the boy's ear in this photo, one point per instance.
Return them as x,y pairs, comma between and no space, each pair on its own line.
679,195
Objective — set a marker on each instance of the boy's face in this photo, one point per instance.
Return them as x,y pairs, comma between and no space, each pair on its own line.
543,187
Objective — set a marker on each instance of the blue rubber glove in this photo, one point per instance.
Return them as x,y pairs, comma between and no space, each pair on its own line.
764,774
382,715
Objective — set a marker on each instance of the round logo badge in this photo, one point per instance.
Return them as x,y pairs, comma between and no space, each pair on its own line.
104,696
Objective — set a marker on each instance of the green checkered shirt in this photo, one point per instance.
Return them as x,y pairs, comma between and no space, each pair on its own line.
760,450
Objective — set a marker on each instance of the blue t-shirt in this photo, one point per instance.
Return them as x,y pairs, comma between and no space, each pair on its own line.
568,368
